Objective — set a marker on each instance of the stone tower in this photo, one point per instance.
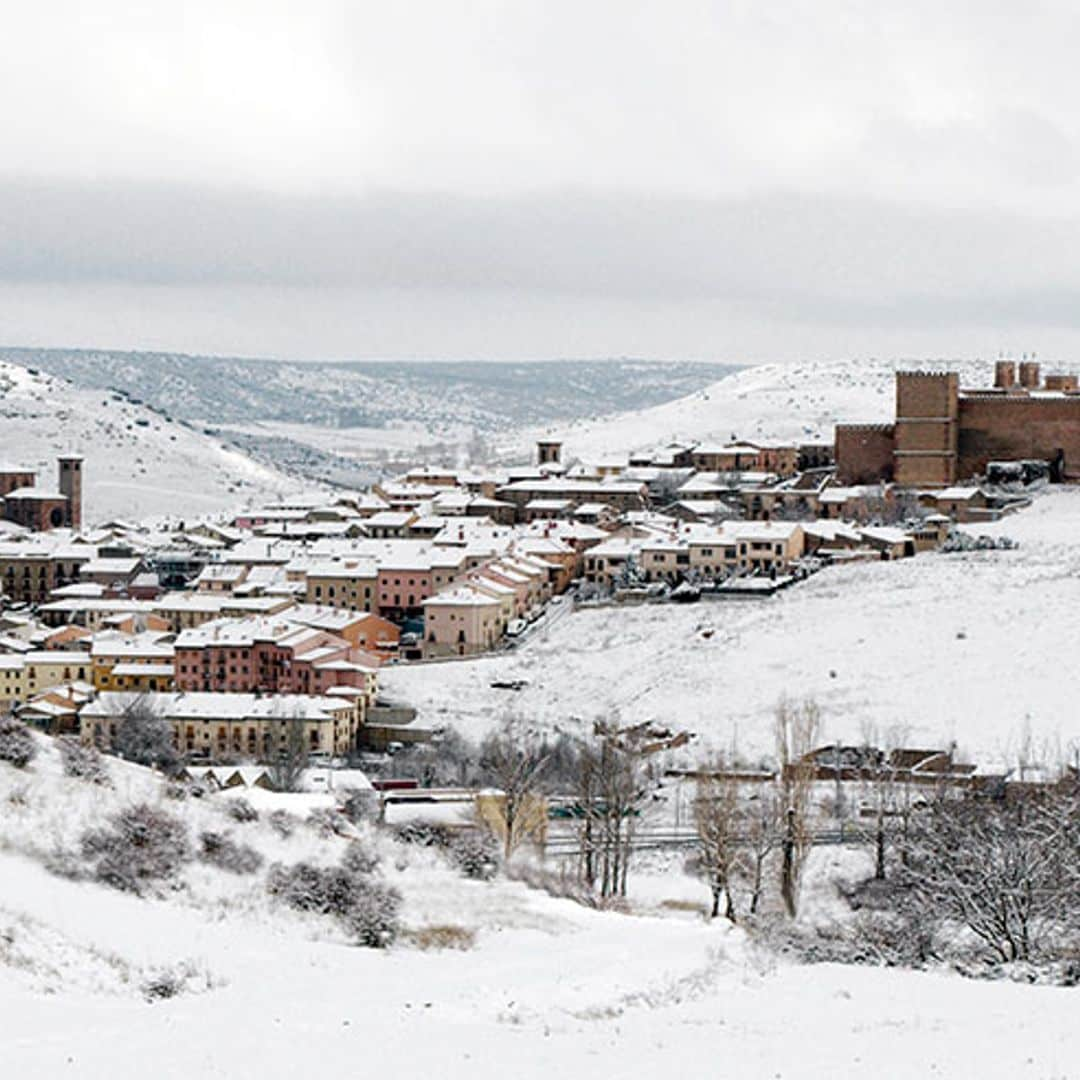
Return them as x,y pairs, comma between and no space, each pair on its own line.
927,428
71,485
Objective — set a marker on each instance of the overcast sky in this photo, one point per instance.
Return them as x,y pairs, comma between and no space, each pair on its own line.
730,181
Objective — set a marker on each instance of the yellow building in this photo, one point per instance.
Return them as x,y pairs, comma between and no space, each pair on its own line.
139,662
210,726
47,669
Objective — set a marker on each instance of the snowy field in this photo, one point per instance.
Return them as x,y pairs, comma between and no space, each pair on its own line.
139,463
547,988
964,647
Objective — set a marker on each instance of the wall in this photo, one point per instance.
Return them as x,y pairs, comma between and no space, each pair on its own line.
1007,427
864,453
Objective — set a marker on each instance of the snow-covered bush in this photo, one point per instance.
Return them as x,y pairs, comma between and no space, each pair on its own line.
365,906
361,857
327,822
82,762
17,746
358,806
145,737
424,834
372,916
306,887
476,854
222,851
141,844
242,811
282,822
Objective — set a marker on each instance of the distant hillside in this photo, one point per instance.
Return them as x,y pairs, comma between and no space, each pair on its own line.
140,462
442,397
781,401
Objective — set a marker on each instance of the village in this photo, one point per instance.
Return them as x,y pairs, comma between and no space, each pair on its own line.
231,627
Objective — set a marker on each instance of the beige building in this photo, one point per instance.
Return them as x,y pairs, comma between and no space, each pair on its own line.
212,726
463,621
348,584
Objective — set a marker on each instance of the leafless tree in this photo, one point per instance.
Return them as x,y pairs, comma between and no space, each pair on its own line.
612,787
514,762
796,727
887,792
288,760
718,820
1004,871
145,736
763,828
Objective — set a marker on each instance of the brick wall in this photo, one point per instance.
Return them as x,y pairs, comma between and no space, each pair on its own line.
864,453
1010,427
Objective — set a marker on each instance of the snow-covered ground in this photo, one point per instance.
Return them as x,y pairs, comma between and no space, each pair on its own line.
548,988
769,401
965,647
138,462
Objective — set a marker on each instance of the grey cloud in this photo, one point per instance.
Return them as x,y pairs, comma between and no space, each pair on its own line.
807,256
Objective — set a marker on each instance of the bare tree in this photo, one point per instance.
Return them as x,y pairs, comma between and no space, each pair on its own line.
763,827
514,762
717,819
612,786
889,796
796,728
1004,871
288,760
145,736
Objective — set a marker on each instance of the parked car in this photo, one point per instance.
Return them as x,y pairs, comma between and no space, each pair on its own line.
516,628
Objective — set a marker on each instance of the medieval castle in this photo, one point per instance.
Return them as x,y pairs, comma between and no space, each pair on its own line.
944,433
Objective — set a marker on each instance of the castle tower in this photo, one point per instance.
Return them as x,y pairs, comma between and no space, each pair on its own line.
71,485
1030,378
1005,374
927,428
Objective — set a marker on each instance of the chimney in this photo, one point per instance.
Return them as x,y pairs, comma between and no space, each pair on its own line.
1004,374
1029,375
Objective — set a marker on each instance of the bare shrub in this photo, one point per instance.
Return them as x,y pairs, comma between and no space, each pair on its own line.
476,854
222,851
564,884
372,916
361,857
19,796
424,834
359,806
327,822
442,936
282,822
82,762
240,810
164,984
140,845
65,863
17,746
366,907
306,887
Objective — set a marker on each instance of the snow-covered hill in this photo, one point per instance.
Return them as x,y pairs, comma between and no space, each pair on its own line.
941,647
546,987
800,401
139,462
